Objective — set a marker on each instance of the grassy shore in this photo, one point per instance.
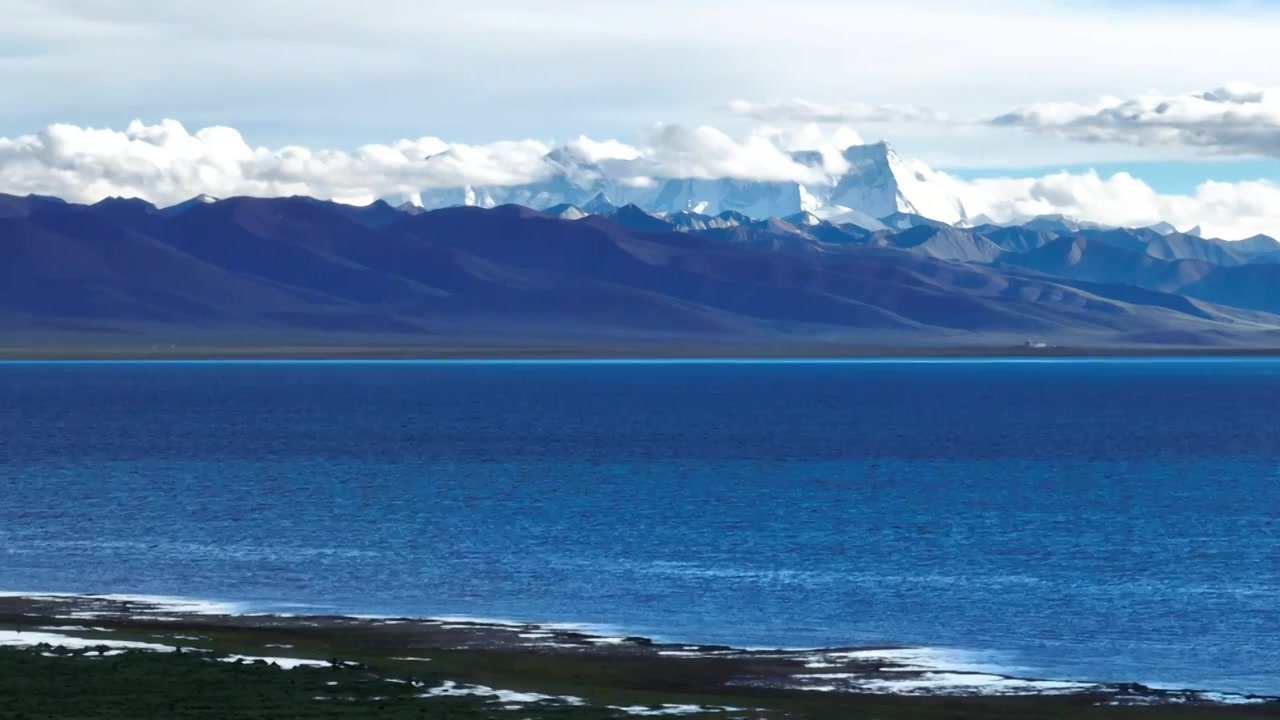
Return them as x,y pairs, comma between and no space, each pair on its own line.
140,685
426,669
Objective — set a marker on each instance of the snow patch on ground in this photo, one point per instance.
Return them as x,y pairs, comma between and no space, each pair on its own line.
507,697
15,638
281,662
673,709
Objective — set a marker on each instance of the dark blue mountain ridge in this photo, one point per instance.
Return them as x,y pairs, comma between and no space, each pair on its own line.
282,266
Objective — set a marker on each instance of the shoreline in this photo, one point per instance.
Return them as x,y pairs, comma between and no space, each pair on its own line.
623,352
902,673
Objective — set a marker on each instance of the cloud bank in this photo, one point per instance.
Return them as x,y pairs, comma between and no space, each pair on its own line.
1236,119
166,163
342,72
1233,211
795,110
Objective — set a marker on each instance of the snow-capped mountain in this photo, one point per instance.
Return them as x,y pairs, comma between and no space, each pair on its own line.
877,183
186,205
1057,222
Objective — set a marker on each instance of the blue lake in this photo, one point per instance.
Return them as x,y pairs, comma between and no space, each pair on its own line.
1107,520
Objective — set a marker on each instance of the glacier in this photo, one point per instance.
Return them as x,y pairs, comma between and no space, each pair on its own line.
873,182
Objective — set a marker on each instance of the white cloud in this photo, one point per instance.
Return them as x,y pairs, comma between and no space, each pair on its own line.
592,151
166,163
332,72
1237,119
797,110
706,153
1232,211
829,141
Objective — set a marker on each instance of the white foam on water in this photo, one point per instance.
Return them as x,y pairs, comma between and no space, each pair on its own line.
43,597
75,628
930,671
149,603
470,621
922,659
1230,699
162,607
15,638
943,683
180,605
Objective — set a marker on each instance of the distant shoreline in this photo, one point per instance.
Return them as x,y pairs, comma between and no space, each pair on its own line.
610,352
837,682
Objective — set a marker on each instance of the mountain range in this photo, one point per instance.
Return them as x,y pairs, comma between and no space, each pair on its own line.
867,185
292,269
864,183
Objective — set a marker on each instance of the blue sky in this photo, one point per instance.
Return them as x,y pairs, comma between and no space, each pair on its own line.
1077,83
1163,176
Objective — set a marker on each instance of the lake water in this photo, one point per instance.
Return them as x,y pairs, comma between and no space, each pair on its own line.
1103,520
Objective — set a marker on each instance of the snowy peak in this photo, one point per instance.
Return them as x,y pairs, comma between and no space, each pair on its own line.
690,220
803,219
879,183
598,205
876,183
566,211
186,205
